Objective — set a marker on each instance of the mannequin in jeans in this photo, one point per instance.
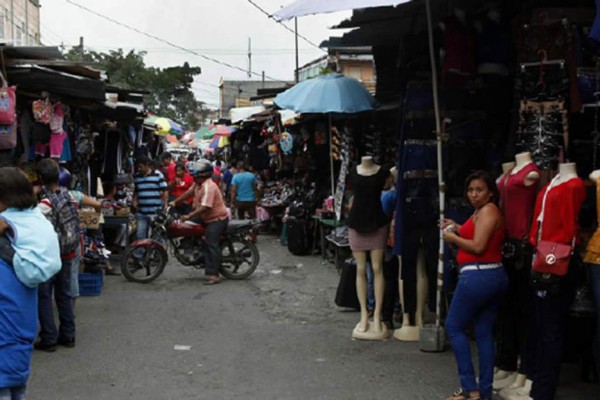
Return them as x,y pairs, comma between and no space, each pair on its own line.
592,258
566,193
520,185
367,170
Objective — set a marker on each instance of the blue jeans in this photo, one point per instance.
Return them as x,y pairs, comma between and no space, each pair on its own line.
595,284
212,248
14,393
60,284
475,301
144,222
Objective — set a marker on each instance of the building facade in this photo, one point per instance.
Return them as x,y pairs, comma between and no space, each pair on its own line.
20,22
240,93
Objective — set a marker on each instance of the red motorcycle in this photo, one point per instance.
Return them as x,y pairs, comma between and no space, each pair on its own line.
145,260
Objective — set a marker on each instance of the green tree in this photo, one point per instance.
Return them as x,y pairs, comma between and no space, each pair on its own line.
170,88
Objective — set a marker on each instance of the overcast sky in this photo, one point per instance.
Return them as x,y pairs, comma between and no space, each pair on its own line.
216,28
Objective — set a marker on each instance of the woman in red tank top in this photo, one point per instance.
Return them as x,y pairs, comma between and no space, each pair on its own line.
480,286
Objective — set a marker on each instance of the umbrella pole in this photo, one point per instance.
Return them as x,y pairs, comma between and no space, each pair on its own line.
331,162
441,184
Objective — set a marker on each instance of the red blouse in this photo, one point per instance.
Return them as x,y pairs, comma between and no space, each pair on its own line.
492,253
560,213
518,201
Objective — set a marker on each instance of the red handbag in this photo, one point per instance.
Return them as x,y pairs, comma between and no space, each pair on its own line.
552,258
8,101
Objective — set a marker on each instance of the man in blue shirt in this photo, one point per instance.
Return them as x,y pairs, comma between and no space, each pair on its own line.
244,192
150,196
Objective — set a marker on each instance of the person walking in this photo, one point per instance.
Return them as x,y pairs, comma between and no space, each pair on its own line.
209,209
150,195
481,283
244,192
182,183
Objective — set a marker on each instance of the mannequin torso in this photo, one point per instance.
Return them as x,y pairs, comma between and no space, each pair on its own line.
522,160
566,172
367,166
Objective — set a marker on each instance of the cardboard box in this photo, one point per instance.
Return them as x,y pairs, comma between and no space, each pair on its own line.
123,212
90,219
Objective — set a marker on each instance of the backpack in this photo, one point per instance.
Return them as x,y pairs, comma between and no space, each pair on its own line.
65,219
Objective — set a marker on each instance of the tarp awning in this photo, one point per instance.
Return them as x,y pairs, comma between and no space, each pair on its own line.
242,113
300,8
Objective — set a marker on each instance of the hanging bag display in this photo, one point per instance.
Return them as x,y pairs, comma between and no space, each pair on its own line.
8,102
8,136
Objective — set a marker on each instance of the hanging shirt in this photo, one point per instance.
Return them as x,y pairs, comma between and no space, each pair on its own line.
367,213
559,221
592,251
518,201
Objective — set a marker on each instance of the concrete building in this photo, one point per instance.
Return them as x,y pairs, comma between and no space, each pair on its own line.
233,94
20,22
356,62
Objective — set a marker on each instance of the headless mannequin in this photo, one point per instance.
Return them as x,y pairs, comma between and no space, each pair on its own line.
509,381
366,330
524,159
566,171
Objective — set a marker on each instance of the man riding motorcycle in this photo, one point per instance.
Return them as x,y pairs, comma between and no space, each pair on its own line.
208,209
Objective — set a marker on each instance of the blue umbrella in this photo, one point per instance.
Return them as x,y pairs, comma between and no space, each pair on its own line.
327,94
331,93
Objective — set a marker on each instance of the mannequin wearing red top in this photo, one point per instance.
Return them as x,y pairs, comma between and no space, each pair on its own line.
554,221
517,189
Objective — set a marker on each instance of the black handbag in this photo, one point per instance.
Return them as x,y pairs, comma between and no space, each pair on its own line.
548,282
345,295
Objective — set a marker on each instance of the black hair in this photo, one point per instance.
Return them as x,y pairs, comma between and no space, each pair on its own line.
180,165
17,191
165,156
488,180
108,187
47,171
142,159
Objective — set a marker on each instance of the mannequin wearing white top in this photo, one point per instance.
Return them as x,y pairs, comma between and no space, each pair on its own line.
364,329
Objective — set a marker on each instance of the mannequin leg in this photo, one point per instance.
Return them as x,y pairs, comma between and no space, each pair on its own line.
422,288
361,289
405,315
377,264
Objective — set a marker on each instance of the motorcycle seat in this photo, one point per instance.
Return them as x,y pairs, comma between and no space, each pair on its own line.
236,224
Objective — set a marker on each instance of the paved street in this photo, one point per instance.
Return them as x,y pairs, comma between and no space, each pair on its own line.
277,335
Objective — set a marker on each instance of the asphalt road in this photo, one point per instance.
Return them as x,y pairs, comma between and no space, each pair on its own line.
277,335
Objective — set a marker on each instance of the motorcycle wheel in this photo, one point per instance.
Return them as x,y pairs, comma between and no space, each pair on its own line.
239,259
143,264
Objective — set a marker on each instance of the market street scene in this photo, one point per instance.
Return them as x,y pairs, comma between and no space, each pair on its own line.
292,199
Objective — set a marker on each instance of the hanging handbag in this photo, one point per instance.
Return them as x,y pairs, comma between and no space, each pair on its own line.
8,101
8,136
552,258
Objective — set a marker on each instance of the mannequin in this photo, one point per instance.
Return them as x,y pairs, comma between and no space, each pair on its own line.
592,259
409,332
566,193
517,193
368,236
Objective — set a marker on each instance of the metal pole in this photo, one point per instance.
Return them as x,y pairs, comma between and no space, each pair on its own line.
441,184
296,75
331,159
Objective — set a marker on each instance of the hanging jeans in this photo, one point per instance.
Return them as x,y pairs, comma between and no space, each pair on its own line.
420,230
545,341
476,301
595,284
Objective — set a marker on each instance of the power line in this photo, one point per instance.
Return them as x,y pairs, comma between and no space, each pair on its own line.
226,64
285,26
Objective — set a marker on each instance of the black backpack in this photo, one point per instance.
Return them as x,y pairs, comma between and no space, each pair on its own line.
65,219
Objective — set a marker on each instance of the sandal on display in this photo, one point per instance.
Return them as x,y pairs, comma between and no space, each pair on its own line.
462,395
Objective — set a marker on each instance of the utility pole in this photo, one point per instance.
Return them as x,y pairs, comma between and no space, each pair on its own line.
263,79
296,75
249,57
80,48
